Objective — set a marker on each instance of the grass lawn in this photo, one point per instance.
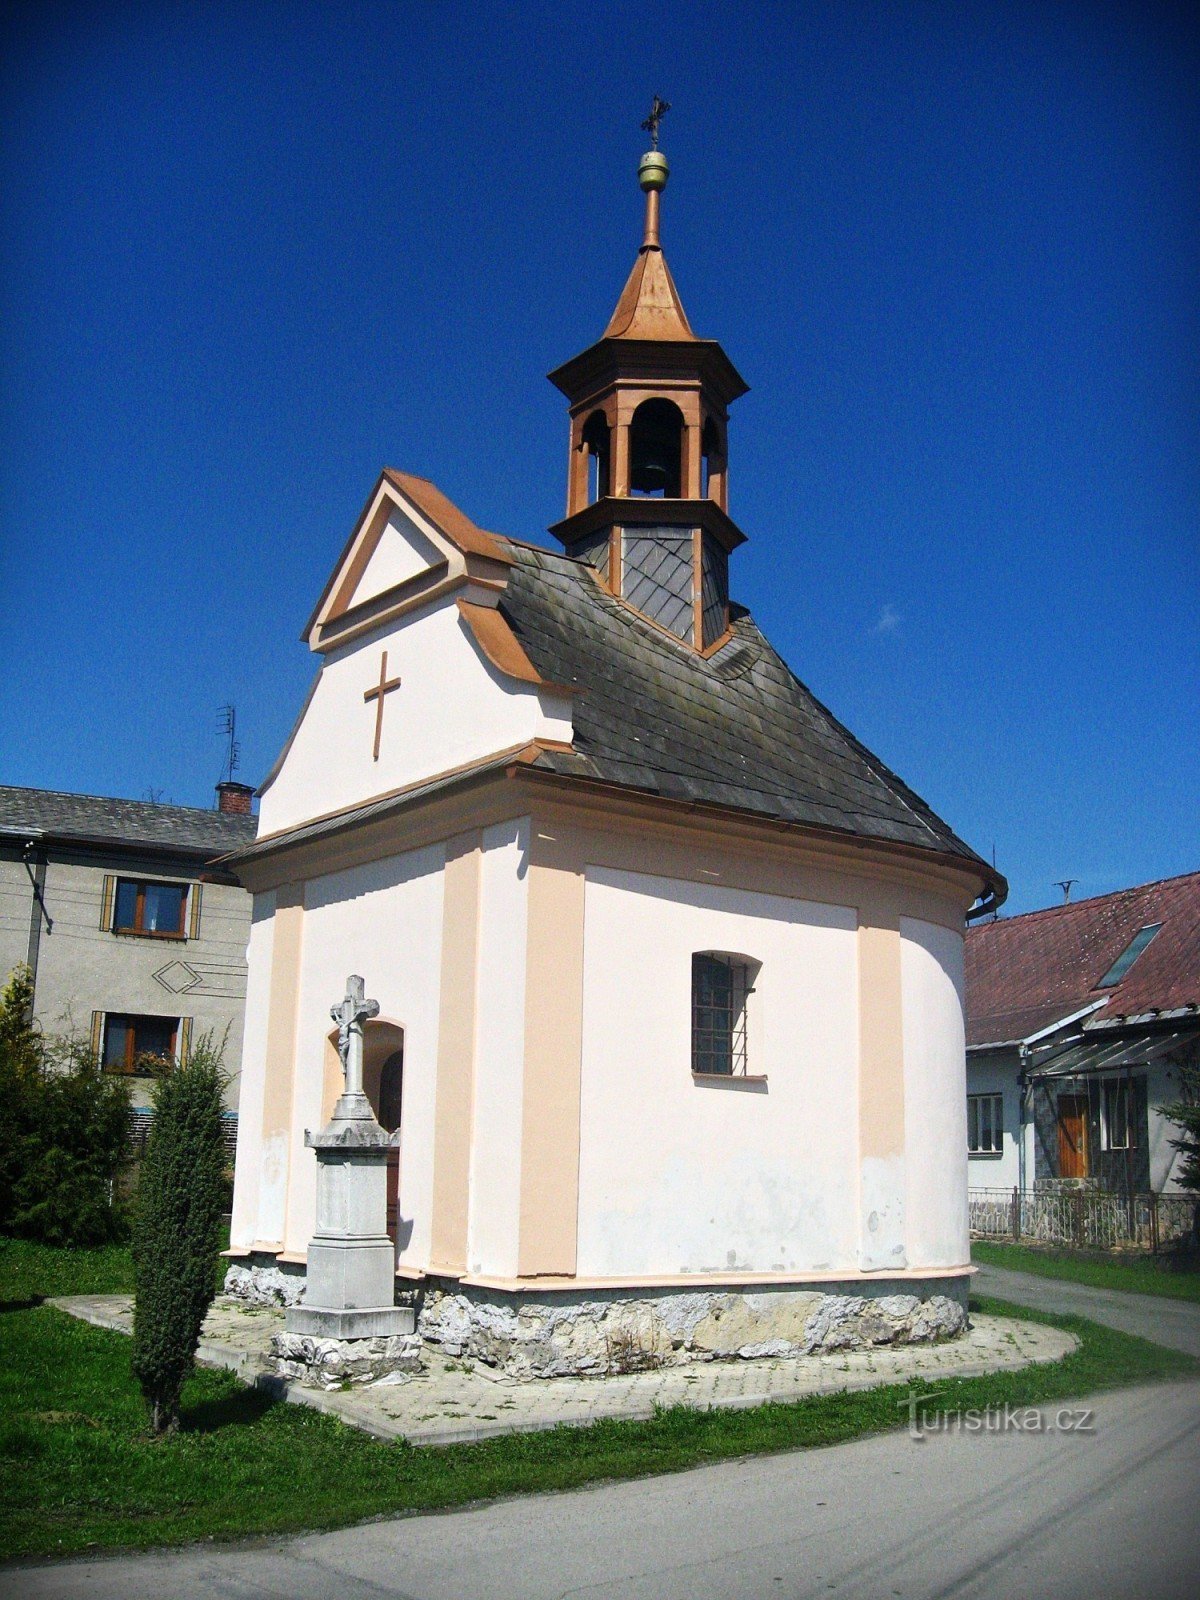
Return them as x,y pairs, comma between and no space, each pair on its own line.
1140,1275
78,1470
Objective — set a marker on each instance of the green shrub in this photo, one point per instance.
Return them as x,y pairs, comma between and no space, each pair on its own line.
1186,1112
63,1132
177,1228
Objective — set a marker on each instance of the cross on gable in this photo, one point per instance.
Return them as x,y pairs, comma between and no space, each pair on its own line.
384,686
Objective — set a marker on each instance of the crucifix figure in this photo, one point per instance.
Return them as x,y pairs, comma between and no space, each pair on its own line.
657,112
350,1015
384,686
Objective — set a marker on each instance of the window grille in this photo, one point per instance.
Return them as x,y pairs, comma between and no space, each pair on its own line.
985,1124
720,987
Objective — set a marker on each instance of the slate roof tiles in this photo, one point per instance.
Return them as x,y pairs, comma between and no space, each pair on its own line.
30,813
737,729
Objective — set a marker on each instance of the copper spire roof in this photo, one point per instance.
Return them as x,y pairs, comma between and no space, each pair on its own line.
650,307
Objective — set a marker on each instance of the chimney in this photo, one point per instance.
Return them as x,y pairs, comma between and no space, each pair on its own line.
235,798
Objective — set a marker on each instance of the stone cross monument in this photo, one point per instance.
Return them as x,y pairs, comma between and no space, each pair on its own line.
350,1290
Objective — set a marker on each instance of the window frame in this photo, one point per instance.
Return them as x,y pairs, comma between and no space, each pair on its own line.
743,971
976,1151
131,1019
138,930
1121,1090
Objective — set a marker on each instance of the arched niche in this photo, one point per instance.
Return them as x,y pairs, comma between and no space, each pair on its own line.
594,442
656,432
713,463
383,1072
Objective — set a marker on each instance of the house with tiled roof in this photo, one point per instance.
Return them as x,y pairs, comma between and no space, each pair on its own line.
134,937
666,965
1080,1018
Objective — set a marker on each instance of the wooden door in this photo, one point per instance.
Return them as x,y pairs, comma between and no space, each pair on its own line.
391,1097
1072,1136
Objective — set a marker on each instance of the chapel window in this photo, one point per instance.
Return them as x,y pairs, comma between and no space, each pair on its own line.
721,987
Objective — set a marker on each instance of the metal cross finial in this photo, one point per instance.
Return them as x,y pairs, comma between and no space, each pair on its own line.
350,1014
657,112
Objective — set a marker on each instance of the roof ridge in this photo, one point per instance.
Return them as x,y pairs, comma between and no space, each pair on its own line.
118,799
1087,900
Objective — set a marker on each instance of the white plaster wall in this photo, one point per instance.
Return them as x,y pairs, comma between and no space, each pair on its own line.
383,921
452,708
678,1176
247,1198
997,1074
935,1104
402,552
495,1199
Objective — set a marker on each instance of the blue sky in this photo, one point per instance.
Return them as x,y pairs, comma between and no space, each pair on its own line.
251,253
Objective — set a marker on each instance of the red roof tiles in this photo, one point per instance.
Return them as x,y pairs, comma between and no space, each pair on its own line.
1023,973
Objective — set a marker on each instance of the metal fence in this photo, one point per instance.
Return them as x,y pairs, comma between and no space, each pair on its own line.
141,1118
1092,1218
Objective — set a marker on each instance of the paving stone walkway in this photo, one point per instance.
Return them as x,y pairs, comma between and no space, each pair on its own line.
455,1401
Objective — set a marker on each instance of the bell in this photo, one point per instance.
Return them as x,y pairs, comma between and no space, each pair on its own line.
649,471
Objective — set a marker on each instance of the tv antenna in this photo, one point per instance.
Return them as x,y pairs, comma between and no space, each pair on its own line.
1066,885
227,727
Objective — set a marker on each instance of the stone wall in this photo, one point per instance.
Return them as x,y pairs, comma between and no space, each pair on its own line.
261,1281
603,1332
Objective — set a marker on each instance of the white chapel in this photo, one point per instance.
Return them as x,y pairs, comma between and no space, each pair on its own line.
668,965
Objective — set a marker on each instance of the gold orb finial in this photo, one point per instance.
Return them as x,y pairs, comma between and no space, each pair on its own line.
653,170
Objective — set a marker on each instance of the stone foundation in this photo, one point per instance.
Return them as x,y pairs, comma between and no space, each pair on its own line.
261,1281
602,1332
338,1363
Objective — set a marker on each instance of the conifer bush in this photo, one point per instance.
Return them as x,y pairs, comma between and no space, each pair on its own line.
63,1131
177,1222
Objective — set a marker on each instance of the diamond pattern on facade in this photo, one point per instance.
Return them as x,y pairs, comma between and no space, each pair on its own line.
177,977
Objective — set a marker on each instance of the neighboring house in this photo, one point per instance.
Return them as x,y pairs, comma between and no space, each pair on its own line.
1079,1019
669,966
135,940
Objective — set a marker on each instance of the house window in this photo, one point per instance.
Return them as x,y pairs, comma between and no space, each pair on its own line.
139,1045
721,985
144,906
985,1124
1116,1126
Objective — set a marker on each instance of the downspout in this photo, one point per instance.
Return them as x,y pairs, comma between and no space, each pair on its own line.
1022,1094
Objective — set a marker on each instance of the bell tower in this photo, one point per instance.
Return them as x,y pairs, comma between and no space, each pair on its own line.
647,481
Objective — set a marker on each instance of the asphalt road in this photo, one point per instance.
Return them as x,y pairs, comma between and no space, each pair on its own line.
1175,1323
1106,1510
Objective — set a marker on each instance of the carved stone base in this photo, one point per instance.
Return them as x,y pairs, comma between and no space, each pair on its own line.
378,1322
337,1363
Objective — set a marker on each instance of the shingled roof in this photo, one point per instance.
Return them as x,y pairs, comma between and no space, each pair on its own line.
1026,973
737,729
48,814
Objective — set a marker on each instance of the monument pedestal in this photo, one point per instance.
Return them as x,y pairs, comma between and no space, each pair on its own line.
351,1263
348,1326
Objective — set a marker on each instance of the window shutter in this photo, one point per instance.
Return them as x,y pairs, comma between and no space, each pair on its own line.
197,894
185,1040
97,1030
106,906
